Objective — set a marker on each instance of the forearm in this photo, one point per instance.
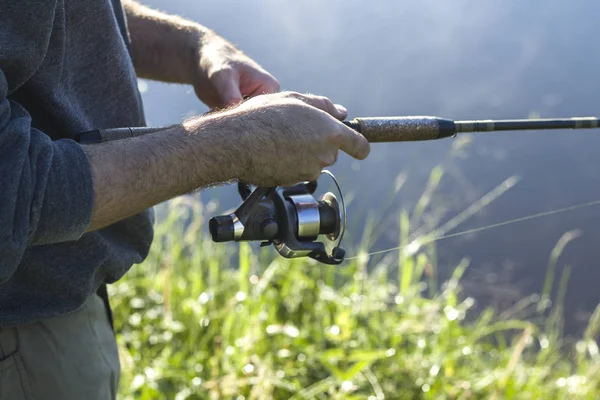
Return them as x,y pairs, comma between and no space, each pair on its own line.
271,140
164,47
134,174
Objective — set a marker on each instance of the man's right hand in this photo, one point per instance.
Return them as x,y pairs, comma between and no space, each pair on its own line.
269,140
286,138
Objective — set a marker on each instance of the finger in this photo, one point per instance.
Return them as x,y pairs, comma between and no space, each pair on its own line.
262,89
274,85
255,83
353,143
310,176
342,110
268,83
328,159
228,88
323,103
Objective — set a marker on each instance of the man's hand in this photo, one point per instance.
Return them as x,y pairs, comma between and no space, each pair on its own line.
275,139
226,75
172,49
285,138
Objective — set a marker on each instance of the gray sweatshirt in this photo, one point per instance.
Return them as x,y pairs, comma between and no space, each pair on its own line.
65,68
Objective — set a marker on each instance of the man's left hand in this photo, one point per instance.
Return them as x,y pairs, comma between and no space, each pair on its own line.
225,75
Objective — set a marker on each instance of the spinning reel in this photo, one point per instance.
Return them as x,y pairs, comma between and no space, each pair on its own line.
289,218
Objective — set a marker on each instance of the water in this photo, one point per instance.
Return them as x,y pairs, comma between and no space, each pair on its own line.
459,60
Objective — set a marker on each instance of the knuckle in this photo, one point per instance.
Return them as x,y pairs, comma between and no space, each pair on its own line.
275,86
221,72
292,94
286,102
327,104
334,137
296,103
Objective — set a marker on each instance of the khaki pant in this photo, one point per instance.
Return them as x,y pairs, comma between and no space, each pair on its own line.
73,356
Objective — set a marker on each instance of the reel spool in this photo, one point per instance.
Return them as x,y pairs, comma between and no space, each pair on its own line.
289,218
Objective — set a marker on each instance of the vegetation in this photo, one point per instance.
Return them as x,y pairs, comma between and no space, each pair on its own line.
190,326
199,320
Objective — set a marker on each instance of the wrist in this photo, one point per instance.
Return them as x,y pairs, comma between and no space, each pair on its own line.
194,37
218,143
211,51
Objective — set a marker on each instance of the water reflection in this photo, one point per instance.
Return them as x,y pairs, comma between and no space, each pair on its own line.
461,60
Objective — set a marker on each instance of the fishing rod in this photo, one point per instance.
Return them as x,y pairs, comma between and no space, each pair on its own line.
396,129
292,219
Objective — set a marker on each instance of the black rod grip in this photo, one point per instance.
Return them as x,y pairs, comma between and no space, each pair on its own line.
106,135
353,124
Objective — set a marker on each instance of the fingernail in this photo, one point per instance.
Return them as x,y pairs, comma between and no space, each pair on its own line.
341,108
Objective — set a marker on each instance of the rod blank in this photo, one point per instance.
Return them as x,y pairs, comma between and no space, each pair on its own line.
526,124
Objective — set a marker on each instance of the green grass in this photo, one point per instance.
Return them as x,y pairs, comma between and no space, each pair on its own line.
199,320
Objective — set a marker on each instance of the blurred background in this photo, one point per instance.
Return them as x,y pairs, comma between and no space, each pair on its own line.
463,59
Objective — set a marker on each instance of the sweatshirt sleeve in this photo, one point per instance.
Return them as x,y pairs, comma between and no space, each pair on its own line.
46,186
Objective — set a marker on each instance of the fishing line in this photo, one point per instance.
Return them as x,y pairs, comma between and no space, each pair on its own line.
419,243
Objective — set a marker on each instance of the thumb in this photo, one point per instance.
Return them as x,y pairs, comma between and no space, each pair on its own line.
227,86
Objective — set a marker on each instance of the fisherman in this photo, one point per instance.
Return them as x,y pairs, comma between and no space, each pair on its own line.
75,217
